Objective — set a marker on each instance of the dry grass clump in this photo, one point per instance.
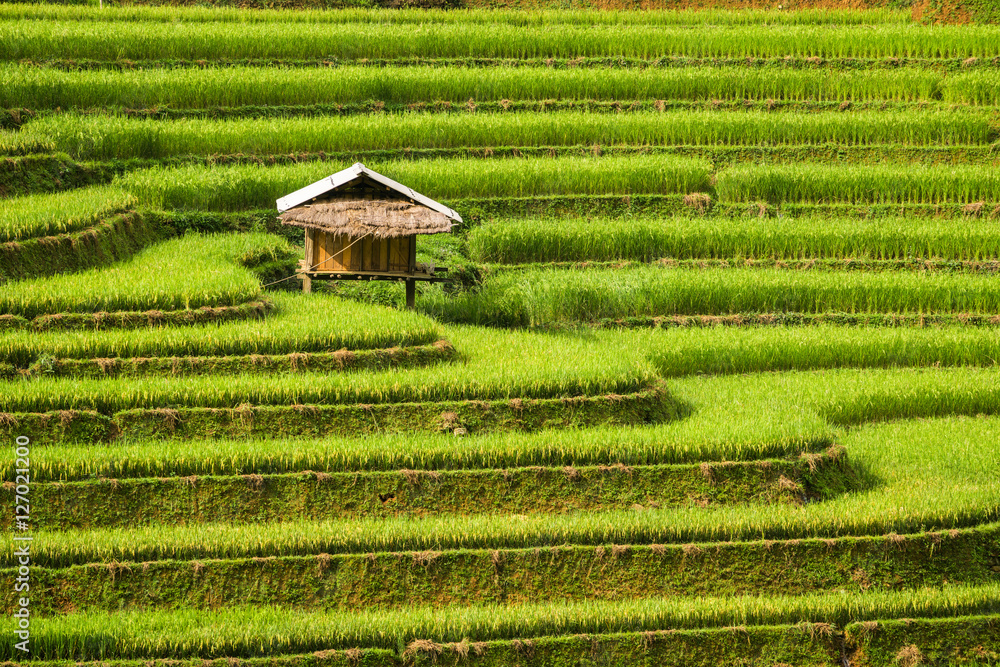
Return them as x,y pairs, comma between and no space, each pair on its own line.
909,656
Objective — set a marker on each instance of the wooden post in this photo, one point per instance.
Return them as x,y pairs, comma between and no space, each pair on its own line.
310,253
307,283
411,284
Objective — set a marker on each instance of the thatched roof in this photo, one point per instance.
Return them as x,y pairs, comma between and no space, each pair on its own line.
379,217
359,174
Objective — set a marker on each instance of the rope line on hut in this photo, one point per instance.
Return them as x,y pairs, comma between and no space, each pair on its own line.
328,259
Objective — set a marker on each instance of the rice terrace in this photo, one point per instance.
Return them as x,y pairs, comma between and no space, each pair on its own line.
500,332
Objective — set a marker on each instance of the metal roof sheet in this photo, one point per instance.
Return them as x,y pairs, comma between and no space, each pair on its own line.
354,172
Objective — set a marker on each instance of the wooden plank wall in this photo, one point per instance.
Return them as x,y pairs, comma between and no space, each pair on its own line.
346,253
399,253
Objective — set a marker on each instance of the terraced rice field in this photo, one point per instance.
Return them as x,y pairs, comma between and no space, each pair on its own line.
714,381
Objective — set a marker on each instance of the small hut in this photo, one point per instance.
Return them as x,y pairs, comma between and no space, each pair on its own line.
360,225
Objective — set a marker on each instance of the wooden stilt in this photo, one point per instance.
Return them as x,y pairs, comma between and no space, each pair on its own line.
307,284
411,294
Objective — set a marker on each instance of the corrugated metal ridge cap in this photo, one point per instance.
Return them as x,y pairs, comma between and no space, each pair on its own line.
409,192
320,187
345,176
